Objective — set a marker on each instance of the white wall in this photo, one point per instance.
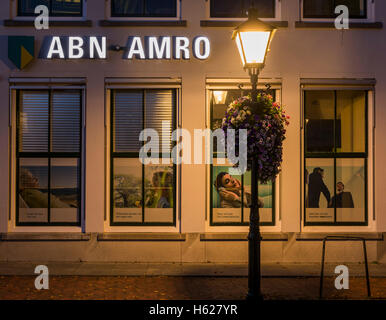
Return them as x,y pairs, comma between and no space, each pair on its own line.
295,54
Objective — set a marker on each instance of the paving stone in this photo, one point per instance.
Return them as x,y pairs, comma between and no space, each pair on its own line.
172,288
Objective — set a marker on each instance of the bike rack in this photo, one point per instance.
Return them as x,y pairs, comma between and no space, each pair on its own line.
344,238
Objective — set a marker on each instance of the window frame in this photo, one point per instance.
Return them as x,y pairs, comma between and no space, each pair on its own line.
14,168
234,84
109,224
369,9
277,16
31,17
111,17
370,220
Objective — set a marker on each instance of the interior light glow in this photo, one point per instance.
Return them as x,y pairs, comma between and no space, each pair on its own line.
220,96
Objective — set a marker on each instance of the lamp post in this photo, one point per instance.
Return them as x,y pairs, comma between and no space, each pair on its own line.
253,38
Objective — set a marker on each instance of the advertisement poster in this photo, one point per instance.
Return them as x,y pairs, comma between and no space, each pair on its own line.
33,190
349,200
226,196
159,197
346,194
127,193
265,199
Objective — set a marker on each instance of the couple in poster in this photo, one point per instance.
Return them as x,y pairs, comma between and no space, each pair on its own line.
316,186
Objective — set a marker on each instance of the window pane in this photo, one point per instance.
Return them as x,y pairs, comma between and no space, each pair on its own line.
226,8
66,7
319,186
66,109
265,200
351,121
229,8
159,106
127,7
33,190
127,120
221,100
27,7
33,121
350,190
164,8
127,190
318,8
159,193
226,195
266,8
65,190
326,8
144,8
319,121
357,8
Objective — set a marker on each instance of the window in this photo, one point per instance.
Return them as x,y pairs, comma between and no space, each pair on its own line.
238,9
326,8
48,156
335,186
57,8
142,194
230,195
143,8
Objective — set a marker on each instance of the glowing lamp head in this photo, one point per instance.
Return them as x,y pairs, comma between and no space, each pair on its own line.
253,38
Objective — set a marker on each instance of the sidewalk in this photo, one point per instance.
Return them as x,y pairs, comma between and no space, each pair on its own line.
186,269
181,288
183,281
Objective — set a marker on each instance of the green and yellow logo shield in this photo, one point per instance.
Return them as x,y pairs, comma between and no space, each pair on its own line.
21,50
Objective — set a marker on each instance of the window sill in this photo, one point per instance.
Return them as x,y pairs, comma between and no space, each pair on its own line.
143,23
241,237
60,236
54,23
141,237
331,25
235,23
368,236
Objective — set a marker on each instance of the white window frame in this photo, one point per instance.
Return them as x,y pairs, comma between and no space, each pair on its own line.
276,18
39,85
372,223
139,83
14,11
370,14
110,17
229,84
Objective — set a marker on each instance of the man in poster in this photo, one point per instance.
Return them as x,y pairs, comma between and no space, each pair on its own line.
316,186
342,199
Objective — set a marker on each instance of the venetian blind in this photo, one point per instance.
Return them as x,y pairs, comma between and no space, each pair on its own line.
127,120
33,121
65,123
159,106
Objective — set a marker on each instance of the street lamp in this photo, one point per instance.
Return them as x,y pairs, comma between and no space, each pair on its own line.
253,38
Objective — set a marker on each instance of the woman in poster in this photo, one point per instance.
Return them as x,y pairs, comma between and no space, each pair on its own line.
229,190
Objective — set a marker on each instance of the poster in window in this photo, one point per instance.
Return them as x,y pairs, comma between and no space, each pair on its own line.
64,190
319,188
264,200
349,199
159,193
127,193
227,196
33,190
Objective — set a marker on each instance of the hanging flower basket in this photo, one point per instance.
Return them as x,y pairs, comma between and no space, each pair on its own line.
265,122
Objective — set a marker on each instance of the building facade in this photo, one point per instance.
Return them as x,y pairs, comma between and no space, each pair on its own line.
76,96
